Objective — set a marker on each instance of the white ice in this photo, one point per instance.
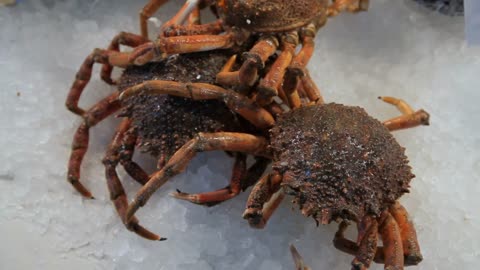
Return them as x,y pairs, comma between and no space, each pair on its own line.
397,49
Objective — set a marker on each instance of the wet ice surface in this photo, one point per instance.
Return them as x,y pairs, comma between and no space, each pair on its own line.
395,49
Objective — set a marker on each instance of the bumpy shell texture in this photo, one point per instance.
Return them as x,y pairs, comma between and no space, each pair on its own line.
164,123
272,15
339,162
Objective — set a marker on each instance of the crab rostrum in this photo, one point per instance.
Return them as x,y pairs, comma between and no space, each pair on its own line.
339,163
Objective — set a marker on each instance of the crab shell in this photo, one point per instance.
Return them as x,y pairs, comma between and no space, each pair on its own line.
271,15
164,123
338,162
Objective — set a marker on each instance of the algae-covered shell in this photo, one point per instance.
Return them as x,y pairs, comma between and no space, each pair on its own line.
164,123
339,162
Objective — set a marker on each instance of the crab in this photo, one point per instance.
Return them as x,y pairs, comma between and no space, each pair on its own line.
339,163
160,125
241,22
274,24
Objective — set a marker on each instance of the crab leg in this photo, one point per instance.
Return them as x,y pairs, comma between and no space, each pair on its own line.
123,38
218,196
270,85
411,248
347,5
117,192
296,69
352,248
409,119
97,113
147,11
392,242
297,258
182,15
178,45
126,155
226,141
213,28
311,88
264,199
367,240
83,76
258,116
253,61
194,17
241,180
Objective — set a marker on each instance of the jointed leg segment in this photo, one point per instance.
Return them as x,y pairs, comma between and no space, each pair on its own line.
201,91
226,141
115,187
97,113
264,199
398,236
409,119
106,57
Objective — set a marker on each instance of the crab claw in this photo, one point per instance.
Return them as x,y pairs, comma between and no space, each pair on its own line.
145,53
297,258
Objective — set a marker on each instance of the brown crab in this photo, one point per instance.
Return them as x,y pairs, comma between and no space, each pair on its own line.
339,163
270,27
274,24
160,125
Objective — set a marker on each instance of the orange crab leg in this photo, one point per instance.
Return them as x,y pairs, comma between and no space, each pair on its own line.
84,74
411,248
367,241
181,44
241,179
270,85
115,187
127,150
97,113
392,242
409,119
147,11
123,38
255,59
218,196
213,28
347,5
311,89
264,199
201,91
297,258
226,141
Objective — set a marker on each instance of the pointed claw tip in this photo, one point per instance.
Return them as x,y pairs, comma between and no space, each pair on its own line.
162,239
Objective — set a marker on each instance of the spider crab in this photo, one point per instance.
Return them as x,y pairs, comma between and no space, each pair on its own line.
273,24
339,163
240,23
160,125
